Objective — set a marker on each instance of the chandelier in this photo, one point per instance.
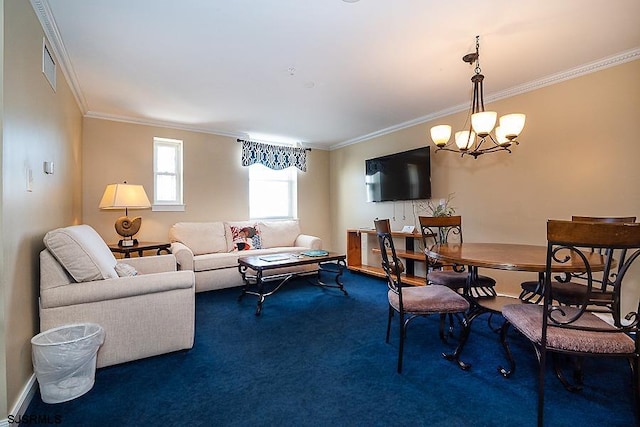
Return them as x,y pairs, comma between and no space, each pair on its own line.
481,137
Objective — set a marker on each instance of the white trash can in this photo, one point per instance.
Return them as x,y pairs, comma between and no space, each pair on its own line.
64,360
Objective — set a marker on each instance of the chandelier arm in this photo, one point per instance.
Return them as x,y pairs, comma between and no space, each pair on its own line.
479,144
445,148
495,143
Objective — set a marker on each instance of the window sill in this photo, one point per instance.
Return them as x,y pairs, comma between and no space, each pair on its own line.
168,208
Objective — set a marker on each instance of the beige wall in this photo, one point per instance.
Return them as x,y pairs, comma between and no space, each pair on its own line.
38,125
215,184
579,155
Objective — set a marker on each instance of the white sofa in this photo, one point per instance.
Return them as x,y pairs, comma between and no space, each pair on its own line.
145,305
209,250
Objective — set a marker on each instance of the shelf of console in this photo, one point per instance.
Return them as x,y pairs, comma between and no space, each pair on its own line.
378,272
419,256
354,255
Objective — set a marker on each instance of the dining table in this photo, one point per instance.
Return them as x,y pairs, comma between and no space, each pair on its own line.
503,256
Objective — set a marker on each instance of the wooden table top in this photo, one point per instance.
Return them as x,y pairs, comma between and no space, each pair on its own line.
507,256
139,246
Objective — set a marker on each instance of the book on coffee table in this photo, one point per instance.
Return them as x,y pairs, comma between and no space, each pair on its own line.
275,257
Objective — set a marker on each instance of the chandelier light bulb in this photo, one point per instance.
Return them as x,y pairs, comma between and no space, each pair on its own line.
440,135
483,122
465,139
512,125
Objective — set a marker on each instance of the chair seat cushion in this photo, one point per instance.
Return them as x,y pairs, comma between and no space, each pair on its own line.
527,319
428,299
530,286
456,280
574,293
570,293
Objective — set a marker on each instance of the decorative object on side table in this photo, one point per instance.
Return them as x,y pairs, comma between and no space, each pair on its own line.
126,196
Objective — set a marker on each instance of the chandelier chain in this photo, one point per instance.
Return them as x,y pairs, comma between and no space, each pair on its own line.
478,70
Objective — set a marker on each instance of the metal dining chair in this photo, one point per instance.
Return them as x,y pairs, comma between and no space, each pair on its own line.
410,302
448,229
579,330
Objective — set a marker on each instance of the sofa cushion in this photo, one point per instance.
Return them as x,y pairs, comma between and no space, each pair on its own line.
279,233
200,237
82,252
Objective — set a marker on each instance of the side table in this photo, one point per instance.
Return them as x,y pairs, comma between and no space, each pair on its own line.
140,247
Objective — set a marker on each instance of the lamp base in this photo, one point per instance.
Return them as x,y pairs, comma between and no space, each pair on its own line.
125,243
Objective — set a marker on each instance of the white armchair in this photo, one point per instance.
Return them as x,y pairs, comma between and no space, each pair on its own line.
145,306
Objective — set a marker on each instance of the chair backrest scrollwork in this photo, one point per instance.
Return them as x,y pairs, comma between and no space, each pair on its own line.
440,229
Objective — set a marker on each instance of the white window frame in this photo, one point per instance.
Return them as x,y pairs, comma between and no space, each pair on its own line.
291,179
178,203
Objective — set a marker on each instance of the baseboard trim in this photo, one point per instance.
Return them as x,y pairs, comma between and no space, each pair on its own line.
24,399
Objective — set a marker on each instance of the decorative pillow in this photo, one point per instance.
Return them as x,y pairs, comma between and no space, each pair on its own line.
82,252
125,270
245,238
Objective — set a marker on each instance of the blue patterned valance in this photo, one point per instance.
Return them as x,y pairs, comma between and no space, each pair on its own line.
273,156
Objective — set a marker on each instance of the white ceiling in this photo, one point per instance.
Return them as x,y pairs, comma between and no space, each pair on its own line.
325,73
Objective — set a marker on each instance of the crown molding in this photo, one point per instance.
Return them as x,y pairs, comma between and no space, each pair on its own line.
582,70
163,124
187,127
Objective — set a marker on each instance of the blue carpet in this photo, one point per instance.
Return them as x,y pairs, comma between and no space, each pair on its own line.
318,358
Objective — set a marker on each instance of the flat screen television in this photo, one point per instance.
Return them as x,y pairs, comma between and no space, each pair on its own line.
399,176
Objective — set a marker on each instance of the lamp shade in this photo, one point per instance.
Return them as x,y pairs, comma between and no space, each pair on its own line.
512,124
465,139
440,135
501,138
124,196
483,122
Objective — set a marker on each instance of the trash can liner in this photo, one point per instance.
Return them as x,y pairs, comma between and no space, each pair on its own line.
64,360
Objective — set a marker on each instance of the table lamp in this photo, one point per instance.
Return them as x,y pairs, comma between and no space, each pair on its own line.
125,196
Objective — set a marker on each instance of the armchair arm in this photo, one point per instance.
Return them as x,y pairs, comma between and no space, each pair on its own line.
111,289
152,264
311,242
183,255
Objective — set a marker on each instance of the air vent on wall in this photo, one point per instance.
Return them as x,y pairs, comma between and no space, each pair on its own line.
48,64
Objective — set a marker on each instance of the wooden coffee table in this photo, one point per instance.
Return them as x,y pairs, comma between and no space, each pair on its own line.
255,271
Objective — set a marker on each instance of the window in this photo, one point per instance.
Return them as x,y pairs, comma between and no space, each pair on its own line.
167,174
272,193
